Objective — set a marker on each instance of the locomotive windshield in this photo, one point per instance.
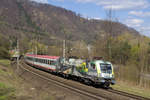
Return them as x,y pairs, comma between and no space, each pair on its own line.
106,68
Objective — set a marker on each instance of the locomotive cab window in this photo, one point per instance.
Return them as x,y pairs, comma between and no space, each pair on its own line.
106,68
93,66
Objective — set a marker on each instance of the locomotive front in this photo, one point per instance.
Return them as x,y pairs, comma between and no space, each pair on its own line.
102,73
105,73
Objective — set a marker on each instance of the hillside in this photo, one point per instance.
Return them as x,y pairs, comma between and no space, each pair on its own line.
24,18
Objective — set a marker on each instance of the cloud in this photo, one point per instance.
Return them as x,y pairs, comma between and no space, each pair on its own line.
41,1
140,13
139,25
90,18
145,30
95,18
119,4
134,22
111,4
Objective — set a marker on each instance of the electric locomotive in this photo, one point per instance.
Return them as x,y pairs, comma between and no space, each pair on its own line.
97,72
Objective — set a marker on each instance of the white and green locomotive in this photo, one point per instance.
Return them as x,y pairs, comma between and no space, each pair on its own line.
97,72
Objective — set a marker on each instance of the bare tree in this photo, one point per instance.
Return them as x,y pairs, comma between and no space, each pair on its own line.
108,28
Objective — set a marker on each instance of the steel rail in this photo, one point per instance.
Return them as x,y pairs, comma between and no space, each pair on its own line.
75,89
128,94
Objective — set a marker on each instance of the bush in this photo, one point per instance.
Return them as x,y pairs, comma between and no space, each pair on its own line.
4,47
6,93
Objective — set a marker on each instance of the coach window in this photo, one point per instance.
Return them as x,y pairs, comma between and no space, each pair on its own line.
45,61
53,62
37,60
49,62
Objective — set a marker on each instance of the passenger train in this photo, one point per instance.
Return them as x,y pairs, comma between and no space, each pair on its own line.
95,72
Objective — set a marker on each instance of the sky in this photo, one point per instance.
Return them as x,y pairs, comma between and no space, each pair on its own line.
133,13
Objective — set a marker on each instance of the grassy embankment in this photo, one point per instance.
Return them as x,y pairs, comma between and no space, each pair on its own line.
130,88
13,87
127,80
5,62
7,92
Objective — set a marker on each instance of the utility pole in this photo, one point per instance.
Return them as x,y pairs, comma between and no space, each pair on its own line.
109,35
18,55
89,51
64,51
110,32
64,48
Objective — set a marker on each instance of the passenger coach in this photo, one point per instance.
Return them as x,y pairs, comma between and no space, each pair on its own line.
50,63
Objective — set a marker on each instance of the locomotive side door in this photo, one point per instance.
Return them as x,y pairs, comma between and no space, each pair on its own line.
92,70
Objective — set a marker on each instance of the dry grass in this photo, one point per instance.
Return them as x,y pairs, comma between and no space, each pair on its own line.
133,89
6,92
5,62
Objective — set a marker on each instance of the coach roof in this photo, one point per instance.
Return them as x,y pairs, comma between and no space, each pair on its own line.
43,56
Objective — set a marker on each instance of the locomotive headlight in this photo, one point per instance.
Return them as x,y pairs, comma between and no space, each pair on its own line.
101,75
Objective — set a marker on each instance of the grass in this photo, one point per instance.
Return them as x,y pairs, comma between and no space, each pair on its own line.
132,89
1,71
5,62
6,92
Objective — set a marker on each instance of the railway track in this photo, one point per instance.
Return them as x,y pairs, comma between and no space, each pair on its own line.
91,95
128,94
96,94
